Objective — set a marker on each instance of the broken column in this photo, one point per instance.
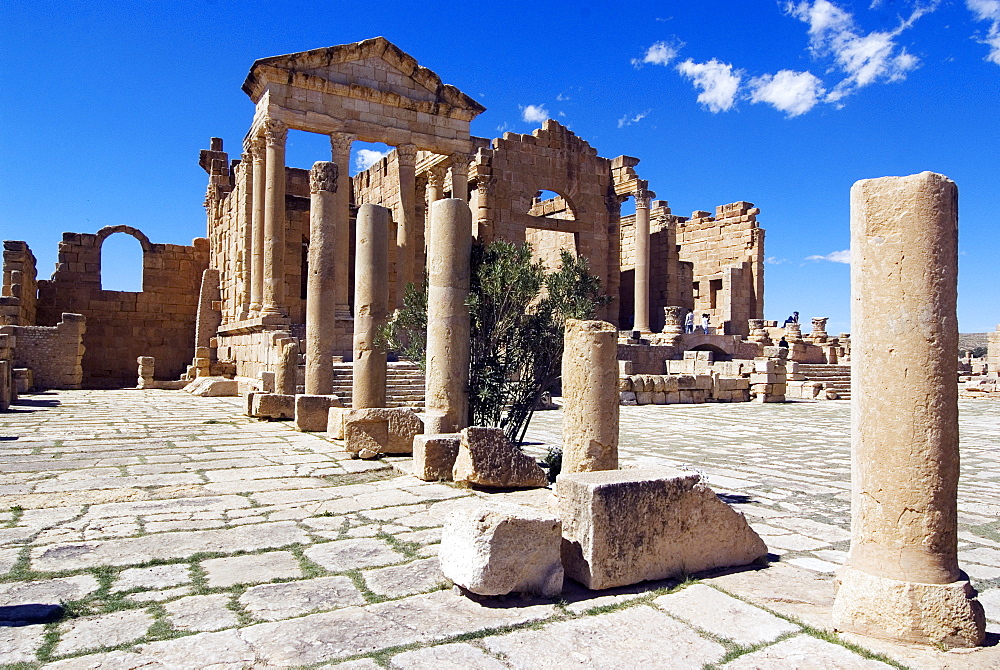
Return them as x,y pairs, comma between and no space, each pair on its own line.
902,579
448,269
288,366
641,321
371,303
320,294
818,333
591,396
146,369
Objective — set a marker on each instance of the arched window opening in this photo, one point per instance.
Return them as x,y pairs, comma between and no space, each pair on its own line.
547,242
121,263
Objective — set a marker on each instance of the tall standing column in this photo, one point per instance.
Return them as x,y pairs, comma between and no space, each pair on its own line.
448,266
406,233
257,146
320,290
590,394
371,306
902,579
460,177
340,149
275,132
641,321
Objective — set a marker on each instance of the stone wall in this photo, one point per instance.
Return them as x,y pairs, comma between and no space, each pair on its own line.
993,350
159,321
727,255
18,295
53,353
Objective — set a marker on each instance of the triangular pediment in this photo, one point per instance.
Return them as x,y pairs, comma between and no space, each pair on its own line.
375,63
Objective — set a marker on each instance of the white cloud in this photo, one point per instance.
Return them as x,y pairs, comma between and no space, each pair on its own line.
562,97
988,10
774,260
718,82
788,91
628,121
833,257
660,53
368,157
864,58
534,113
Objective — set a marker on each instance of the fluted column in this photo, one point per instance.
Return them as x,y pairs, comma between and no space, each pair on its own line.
320,290
406,232
340,150
275,132
257,147
641,321
246,245
460,176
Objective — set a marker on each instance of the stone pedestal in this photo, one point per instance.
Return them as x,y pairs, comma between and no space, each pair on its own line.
591,396
793,332
902,579
371,304
673,320
448,267
321,317
757,332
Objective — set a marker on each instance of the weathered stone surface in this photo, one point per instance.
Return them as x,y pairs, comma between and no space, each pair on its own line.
724,616
403,580
371,298
590,396
201,613
102,630
434,456
637,637
486,458
155,577
459,655
380,430
804,652
273,602
49,591
341,555
213,387
947,614
273,406
19,643
221,572
626,526
495,549
312,411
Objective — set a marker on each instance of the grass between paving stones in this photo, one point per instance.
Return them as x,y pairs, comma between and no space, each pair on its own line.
646,598
366,477
16,512
734,650
409,549
310,568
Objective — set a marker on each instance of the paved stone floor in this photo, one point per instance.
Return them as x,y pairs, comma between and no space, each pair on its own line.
154,529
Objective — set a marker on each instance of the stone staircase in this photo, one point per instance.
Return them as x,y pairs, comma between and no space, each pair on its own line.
404,384
836,377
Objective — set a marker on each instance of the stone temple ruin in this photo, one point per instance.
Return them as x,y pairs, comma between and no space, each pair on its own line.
284,298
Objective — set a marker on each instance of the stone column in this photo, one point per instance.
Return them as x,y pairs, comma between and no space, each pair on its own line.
448,266
673,320
590,394
287,379
371,305
902,579
258,187
406,232
340,149
641,321
793,332
818,333
246,244
435,184
275,132
460,178
320,291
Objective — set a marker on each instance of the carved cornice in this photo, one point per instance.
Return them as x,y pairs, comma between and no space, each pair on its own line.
323,177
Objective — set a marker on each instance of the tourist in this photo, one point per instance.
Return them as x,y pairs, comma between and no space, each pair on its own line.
689,323
704,323
794,318
783,343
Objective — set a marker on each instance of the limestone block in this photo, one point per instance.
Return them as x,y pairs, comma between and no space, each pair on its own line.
495,549
685,382
335,422
622,527
624,384
670,384
213,387
703,382
381,430
486,458
644,398
628,398
273,406
312,411
659,398
434,456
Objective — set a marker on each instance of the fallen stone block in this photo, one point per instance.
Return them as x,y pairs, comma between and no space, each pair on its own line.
273,406
312,411
494,549
381,430
622,527
335,422
486,458
434,456
213,387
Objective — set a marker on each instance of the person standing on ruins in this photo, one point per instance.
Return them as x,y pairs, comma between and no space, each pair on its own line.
704,323
689,322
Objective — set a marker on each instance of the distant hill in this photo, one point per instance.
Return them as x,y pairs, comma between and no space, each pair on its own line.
968,341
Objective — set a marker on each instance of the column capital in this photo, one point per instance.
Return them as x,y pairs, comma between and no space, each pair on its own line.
256,147
642,199
323,177
461,161
486,185
340,143
275,132
435,176
406,154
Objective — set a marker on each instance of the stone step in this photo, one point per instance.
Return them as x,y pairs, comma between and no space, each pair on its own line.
836,377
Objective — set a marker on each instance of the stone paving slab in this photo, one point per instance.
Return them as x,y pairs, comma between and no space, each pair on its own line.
346,549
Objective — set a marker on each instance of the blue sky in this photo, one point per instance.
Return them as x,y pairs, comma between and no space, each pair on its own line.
105,106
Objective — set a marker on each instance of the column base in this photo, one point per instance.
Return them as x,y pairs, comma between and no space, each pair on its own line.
932,614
